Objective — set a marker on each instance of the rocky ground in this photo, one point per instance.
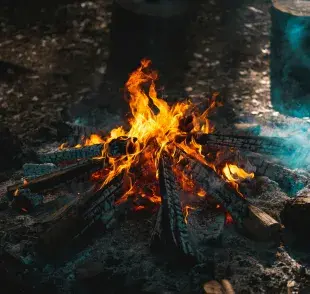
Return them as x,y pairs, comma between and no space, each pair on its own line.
54,55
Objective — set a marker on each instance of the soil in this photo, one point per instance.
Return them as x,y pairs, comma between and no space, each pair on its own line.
54,54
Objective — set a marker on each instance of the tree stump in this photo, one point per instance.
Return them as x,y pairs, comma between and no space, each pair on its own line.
153,29
290,57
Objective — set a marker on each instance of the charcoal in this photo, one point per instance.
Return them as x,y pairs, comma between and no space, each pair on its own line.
26,201
71,154
74,220
257,223
173,226
57,177
121,146
257,144
32,170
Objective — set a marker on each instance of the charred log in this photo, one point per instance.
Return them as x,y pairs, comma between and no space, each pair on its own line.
77,218
51,180
258,144
262,226
25,201
71,154
33,170
121,146
170,222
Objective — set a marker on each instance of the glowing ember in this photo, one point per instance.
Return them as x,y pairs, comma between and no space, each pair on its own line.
186,209
156,124
228,219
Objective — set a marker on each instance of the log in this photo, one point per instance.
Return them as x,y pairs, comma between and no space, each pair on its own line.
121,146
71,154
51,180
34,170
213,287
242,211
117,147
296,216
290,61
258,144
76,219
170,222
25,201
290,181
260,225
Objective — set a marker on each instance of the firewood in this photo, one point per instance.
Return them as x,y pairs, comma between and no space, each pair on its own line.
290,181
33,170
296,216
121,146
260,225
228,289
51,180
241,210
258,144
78,217
173,228
71,154
213,287
26,201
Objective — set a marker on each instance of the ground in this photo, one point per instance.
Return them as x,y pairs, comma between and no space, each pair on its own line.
54,55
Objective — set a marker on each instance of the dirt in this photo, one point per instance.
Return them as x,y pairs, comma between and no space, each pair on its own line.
54,55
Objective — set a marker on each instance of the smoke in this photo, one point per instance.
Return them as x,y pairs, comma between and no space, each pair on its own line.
296,136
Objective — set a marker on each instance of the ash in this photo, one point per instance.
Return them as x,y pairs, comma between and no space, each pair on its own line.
121,260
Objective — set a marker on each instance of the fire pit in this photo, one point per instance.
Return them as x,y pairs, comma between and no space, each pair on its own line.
168,162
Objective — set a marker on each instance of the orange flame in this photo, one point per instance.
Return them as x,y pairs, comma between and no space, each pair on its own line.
235,174
156,124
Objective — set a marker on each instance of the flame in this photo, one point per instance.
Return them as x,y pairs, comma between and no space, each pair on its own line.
140,207
201,193
156,125
16,193
228,219
235,174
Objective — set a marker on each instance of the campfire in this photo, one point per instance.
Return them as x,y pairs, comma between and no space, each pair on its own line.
167,160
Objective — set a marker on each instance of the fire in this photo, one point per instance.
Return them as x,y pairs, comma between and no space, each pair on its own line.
235,174
156,125
186,209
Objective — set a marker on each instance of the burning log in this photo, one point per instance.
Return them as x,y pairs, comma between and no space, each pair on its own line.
258,144
170,222
117,147
287,179
121,146
33,170
71,154
256,222
48,181
69,223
